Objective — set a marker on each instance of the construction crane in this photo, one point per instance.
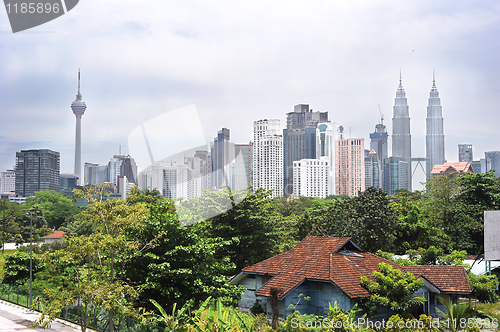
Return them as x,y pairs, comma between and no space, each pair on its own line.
381,115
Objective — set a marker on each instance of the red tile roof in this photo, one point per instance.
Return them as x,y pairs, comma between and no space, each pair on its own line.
460,168
447,278
55,235
325,258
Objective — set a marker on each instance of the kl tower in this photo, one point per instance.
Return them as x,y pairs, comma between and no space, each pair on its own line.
78,107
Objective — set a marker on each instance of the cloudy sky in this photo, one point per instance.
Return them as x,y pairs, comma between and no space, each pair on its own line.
239,61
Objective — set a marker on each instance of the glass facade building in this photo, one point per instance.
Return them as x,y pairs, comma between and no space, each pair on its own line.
36,170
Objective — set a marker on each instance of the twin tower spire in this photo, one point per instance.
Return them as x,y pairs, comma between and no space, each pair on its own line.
401,137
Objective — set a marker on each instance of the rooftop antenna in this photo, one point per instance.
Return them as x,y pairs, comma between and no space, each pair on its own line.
78,80
120,149
381,115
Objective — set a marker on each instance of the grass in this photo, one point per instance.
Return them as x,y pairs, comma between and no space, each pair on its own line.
2,259
490,309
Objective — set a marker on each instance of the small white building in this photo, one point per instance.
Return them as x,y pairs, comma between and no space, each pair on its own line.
57,236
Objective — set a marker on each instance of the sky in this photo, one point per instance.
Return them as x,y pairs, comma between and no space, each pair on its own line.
240,61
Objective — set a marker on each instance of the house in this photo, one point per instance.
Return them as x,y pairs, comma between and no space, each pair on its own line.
54,237
328,270
452,170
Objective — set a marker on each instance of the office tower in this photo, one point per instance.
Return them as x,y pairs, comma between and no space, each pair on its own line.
78,107
326,135
401,138
222,154
122,165
373,170
177,182
68,181
7,181
201,171
268,156
434,137
493,159
476,166
311,177
243,170
395,174
95,174
485,164
36,170
299,139
151,178
349,166
379,141
465,153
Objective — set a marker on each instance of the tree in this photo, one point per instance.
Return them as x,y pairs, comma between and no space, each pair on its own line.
416,227
394,289
8,225
137,195
181,264
249,224
99,260
56,207
367,218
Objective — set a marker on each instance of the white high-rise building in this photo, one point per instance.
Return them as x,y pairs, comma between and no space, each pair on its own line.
434,137
151,178
326,135
177,182
201,172
268,156
311,177
114,169
95,174
7,182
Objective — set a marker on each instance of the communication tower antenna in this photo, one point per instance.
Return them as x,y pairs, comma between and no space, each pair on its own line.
381,115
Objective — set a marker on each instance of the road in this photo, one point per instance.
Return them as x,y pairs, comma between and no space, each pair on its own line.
14,318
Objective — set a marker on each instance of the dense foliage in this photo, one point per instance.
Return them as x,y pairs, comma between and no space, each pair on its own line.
150,248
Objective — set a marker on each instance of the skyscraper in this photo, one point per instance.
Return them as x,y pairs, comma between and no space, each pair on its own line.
299,139
326,135
36,170
349,166
434,137
78,107
121,165
493,159
373,170
465,153
401,138
268,156
378,141
243,171
222,154
395,174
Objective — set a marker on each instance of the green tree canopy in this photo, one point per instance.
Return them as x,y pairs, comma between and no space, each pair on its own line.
56,207
394,289
180,264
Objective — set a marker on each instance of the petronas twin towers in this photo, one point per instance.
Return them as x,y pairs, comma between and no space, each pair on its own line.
401,137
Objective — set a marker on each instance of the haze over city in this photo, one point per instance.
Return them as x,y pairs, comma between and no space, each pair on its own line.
243,61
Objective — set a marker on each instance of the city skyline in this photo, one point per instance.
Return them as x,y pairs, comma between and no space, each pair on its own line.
246,66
